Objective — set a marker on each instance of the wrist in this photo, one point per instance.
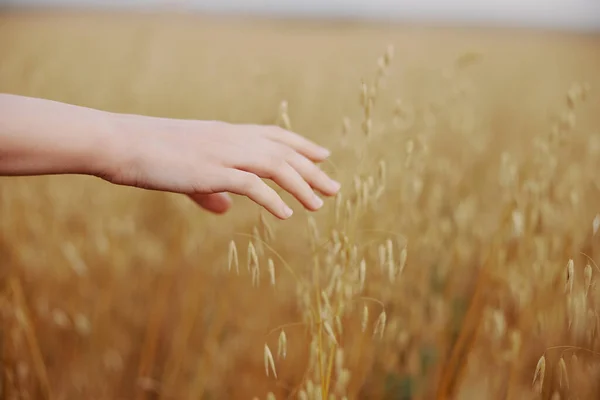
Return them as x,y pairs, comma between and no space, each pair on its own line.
120,153
100,152
109,152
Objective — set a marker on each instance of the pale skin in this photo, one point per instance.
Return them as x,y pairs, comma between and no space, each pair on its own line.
205,160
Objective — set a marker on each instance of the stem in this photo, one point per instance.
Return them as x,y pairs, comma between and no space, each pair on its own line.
329,368
573,348
331,357
289,325
593,262
374,300
320,339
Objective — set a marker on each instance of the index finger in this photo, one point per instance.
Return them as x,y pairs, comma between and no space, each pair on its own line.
297,142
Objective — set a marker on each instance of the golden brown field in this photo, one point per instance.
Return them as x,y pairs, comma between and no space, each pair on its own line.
458,247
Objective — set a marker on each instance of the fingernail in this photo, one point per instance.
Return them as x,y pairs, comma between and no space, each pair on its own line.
318,201
325,152
287,212
335,185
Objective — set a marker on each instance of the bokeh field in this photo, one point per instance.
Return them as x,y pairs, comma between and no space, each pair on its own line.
459,261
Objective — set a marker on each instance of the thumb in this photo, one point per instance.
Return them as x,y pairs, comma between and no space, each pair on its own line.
217,203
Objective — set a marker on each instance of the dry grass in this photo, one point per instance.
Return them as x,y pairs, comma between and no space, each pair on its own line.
490,187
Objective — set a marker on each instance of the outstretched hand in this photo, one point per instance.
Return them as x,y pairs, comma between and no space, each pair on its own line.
207,159
202,159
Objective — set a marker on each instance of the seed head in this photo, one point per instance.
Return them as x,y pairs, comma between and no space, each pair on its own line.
570,277
587,276
233,257
334,280
364,94
330,332
269,362
282,345
326,304
348,210
540,371
252,257
563,376
381,258
267,231
255,275
365,318
313,230
380,325
271,268
390,260
362,272
403,256
283,114
257,240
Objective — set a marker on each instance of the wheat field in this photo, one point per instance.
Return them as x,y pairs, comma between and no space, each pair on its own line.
459,261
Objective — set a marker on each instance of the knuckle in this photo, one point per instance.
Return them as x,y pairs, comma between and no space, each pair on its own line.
285,152
278,157
252,183
277,162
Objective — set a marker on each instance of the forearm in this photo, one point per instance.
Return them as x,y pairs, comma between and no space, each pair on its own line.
41,137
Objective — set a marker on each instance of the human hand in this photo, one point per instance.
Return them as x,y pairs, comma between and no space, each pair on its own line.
207,159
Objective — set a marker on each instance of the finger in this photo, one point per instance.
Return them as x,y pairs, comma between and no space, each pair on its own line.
251,186
299,143
217,203
272,164
290,180
313,175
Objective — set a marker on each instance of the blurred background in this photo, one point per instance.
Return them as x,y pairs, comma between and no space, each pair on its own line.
459,261
565,14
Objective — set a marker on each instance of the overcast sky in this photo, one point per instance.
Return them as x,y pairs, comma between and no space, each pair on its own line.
577,14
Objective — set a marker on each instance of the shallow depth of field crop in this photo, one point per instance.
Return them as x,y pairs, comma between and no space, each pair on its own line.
458,262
